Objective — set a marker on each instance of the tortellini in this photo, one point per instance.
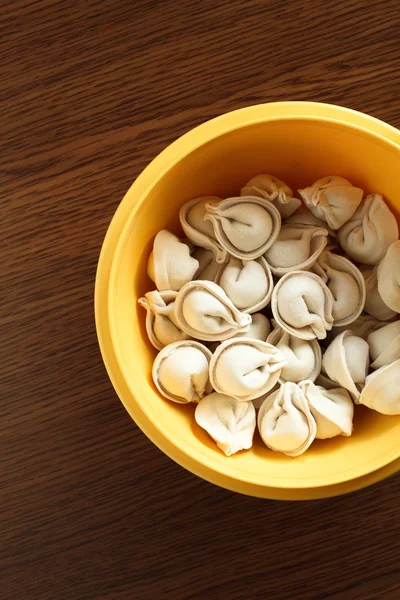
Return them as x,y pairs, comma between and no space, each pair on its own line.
296,248
333,199
161,325
368,234
181,371
302,305
273,189
204,312
170,265
285,421
248,283
197,229
246,226
245,369
389,277
230,423
303,356
345,282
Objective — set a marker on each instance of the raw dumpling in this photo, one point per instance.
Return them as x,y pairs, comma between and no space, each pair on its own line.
197,229
230,423
374,305
324,381
371,230
161,325
303,356
170,265
204,311
333,199
273,189
361,327
346,361
181,371
246,226
260,328
345,282
245,368
384,345
389,277
302,305
303,216
382,390
248,283
209,269
285,421
333,410
297,247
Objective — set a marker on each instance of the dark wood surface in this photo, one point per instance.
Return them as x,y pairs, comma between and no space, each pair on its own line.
90,92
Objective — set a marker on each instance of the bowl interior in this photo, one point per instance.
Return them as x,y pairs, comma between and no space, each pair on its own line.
298,150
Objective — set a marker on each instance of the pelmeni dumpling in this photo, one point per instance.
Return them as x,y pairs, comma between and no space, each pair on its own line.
170,265
374,305
371,230
248,283
197,229
260,328
389,277
333,410
273,189
302,305
333,199
161,325
345,282
297,247
230,423
361,327
209,269
246,226
323,381
382,390
303,356
245,368
285,421
384,345
181,371
303,216
204,312
346,361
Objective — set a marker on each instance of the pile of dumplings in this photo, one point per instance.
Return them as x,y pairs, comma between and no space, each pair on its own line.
280,306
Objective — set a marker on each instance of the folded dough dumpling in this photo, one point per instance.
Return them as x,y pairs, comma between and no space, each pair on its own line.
204,311
345,282
259,329
374,304
367,236
245,368
248,283
384,345
302,305
346,361
246,226
382,390
170,265
361,327
181,371
303,216
296,247
389,277
161,325
209,269
333,199
273,189
323,381
230,423
197,229
303,356
285,421
332,409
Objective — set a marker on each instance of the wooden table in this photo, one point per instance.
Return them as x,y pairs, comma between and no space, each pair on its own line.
90,92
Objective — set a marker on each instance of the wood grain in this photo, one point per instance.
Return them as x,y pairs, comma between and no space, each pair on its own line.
90,92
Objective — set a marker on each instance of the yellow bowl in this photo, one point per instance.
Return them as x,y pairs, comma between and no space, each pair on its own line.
298,142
